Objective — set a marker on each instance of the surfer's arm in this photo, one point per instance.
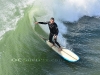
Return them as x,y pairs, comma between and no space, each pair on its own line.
42,22
56,34
57,31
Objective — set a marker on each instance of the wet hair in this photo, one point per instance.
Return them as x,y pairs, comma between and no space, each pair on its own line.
52,18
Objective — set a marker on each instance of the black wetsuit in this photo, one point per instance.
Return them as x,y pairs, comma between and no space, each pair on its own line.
53,31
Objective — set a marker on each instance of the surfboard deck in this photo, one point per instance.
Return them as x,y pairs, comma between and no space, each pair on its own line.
65,53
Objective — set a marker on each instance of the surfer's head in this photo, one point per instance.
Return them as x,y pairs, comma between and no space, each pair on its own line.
52,20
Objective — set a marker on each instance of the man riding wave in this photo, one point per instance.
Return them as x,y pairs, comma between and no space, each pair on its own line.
53,31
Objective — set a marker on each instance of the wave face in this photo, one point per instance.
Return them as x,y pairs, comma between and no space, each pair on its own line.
22,52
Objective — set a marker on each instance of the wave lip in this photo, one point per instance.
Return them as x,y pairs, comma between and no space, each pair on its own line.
73,10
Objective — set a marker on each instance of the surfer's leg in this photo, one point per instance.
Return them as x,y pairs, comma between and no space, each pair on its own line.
50,38
57,43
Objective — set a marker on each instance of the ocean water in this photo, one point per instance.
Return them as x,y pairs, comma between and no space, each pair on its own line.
22,52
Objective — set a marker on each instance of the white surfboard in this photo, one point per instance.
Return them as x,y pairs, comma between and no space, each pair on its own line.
65,53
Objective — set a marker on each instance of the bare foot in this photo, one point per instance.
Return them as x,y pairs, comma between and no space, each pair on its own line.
60,49
53,45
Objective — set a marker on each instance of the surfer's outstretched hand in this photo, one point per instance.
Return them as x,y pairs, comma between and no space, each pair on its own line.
36,22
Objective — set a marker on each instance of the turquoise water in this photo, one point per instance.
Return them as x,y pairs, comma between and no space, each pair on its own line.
22,52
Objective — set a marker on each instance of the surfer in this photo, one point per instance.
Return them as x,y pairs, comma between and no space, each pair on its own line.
53,31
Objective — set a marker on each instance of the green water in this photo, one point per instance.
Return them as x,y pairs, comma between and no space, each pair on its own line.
23,52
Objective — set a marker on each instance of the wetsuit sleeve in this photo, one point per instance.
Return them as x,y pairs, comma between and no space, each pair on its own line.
43,22
57,31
